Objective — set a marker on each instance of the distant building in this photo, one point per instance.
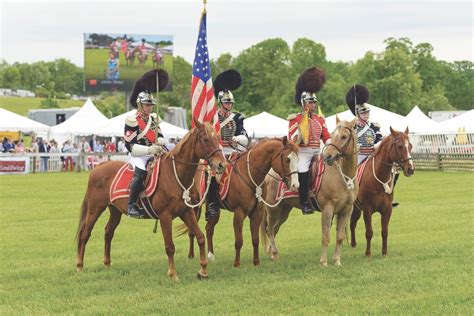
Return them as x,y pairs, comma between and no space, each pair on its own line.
176,116
52,117
439,116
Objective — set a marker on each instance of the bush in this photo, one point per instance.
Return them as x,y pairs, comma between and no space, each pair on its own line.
49,104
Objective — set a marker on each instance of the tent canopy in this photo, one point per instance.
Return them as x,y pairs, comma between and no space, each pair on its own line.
377,115
266,125
13,122
84,122
463,122
115,127
418,122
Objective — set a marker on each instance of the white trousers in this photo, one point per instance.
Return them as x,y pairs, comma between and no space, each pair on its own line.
361,158
139,162
305,155
227,150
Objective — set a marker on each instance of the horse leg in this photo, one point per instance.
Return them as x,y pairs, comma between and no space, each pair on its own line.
368,230
255,221
238,223
189,218
167,230
114,221
277,219
85,233
385,221
354,219
326,220
342,220
211,224
191,244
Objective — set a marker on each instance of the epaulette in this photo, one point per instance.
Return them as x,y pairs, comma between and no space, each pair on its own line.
131,121
376,125
292,116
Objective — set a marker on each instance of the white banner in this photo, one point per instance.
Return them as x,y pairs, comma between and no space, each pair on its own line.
14,165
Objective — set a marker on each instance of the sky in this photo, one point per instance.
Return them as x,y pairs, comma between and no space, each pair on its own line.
45,30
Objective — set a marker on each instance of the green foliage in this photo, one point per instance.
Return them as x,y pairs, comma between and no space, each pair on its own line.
111,104
23,105
426,272
49,104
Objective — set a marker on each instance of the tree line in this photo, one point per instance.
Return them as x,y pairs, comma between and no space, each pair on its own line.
404,74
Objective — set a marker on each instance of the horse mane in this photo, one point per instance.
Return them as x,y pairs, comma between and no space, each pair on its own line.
291,144
177,149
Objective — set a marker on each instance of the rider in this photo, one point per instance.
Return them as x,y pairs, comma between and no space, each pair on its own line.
143,137
307,129
368,133
233,134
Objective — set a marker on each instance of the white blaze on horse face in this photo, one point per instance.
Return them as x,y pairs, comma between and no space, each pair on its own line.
294,170
409,155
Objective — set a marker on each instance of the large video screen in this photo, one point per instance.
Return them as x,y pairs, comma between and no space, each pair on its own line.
112,62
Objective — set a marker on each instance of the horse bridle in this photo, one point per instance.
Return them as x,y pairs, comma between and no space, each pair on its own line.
398,161
286,175
207,156
341,152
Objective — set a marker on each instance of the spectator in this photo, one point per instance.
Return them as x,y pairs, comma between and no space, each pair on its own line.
84,148
110,148
121,146
171,144
74,149
68,163
20,147
43,148
99,148
93,143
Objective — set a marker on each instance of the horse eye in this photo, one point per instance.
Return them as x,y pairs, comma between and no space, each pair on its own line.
344,137
206,140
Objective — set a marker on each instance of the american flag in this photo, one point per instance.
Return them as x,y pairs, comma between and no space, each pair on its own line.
203,102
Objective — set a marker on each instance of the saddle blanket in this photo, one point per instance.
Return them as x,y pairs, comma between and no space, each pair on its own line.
284,193
360,170
224,182
121,183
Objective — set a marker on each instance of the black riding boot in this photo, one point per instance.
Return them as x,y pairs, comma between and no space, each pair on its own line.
212,200
136,187
303,191
395,179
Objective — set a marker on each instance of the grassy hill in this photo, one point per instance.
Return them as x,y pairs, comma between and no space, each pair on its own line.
23,105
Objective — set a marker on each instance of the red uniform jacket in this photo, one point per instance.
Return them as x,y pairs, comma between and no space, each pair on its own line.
317,130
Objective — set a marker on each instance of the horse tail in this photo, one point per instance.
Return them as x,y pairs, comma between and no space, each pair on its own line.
82,219
183,229
263,229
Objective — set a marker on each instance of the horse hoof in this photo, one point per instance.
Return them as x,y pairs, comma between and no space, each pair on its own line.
174,278
190,256
353,245
237,265
338,264
256,262
211,256
202,276
80,269
324,264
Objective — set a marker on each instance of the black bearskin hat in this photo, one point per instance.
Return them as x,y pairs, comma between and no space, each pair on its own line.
357,96
147,83
227,80
311,80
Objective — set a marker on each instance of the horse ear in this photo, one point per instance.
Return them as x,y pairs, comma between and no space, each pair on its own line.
196,122
407,131
285,140
337,119
392,131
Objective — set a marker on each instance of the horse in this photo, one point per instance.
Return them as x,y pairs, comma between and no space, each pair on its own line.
177,169
157,59
142,56
245,187
335,197
374,193
130,57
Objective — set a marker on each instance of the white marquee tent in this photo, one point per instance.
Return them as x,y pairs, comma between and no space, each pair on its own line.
84,122
378,115
265,125
464,122
418,122
115,127
13,122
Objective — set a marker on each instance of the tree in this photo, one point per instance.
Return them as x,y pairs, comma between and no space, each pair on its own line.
11,77
306,53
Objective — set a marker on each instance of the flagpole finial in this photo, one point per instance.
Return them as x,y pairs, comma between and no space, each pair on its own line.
204,2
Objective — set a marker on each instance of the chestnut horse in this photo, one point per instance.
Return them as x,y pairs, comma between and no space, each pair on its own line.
200,143
377,195
250,170
335,197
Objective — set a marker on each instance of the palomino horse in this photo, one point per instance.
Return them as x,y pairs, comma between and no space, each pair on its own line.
177,169
245,186
335,197
375,194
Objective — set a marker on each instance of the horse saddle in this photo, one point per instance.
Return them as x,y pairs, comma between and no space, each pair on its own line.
120,187
317,168
224,181
360,170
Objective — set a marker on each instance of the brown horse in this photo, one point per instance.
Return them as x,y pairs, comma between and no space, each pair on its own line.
377,195
142,56
130,57
335,197
200,143
249,172
157,59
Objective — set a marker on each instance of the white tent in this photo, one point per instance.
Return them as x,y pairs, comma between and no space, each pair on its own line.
115,127
13,122
265,125
84,122
418,122
383,117
147,45
464,121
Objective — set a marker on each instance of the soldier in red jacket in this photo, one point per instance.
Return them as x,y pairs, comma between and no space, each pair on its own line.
307,129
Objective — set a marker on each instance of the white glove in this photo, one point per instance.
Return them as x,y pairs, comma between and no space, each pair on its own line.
140,150
241,139
161,141
155,149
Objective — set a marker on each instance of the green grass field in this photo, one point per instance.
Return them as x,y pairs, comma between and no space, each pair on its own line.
427,271
96,64
23,105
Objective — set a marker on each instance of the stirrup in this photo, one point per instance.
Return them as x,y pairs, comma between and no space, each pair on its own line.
135,211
